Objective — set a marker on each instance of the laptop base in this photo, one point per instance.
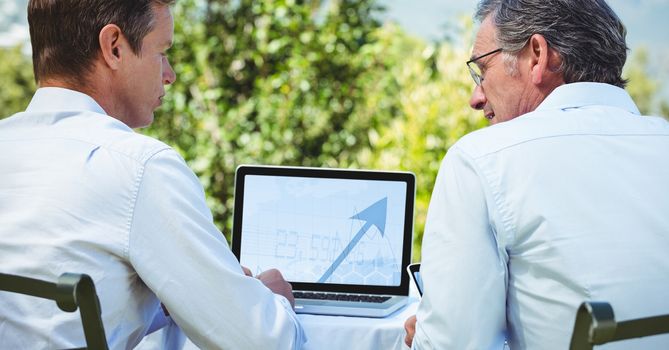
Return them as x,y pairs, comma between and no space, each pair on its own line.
355,309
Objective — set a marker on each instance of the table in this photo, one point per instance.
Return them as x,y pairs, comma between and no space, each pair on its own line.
339,332
323,332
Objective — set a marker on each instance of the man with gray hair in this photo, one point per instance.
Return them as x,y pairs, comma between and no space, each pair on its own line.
563,199
81,192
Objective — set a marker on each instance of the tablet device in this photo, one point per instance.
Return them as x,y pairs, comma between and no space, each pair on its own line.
414,273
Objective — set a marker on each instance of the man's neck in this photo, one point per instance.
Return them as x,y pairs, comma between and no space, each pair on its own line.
81,85
70,84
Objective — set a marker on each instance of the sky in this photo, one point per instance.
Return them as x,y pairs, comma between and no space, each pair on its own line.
645,19
646,22
13,27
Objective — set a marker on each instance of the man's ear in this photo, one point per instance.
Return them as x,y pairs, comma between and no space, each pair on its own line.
113,45
540,56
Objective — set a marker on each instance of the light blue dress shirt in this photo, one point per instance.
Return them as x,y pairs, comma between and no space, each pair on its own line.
531,217
81,192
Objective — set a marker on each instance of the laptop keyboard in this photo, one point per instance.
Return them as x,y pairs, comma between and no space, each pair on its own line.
341,296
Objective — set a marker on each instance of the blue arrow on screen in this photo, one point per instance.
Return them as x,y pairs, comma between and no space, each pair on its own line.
375,215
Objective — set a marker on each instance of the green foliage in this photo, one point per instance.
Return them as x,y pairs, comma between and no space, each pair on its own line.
640,86
17,82
272,82
643,87
432,109
292,83
664,110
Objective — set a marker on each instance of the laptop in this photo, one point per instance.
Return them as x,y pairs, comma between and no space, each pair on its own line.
341,237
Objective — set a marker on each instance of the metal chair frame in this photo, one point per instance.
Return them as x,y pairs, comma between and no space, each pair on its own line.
72,291
596,325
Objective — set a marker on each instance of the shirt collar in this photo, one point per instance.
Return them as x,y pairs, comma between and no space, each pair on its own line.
576,95
60,99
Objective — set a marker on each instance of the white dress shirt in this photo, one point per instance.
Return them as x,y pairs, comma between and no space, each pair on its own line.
531,217
81,192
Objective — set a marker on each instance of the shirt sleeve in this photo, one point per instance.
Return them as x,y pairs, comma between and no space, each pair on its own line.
184,259
160,320
464,301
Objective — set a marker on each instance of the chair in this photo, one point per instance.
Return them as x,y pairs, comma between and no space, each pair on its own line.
72,291
596,325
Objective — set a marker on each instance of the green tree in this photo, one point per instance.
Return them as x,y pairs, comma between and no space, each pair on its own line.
640,86
433,87
664,110
272,82
644,89
17,82
292,83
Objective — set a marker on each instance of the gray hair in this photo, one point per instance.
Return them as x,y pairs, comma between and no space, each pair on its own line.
587,34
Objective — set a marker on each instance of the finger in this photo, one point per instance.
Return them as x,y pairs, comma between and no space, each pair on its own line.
271,274
410,328
291,299
247,271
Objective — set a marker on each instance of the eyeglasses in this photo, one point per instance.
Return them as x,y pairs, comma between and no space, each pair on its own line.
474,69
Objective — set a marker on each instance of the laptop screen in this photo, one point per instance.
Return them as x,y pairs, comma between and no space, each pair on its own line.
326,229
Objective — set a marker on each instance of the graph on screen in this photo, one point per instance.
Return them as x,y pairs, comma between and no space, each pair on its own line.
340,231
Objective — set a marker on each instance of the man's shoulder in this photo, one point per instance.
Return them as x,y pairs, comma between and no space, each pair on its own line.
118,137
86,128
136,146
500,136
558,125
110,133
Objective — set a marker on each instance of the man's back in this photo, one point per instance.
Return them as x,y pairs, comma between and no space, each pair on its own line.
83,193
577,195
588,195
66,191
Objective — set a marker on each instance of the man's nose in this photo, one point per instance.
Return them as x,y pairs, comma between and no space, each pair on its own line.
478,99
169,76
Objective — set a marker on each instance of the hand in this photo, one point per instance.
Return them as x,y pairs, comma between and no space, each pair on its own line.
410,328
274,281
247,271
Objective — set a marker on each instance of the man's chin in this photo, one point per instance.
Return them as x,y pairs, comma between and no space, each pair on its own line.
145,122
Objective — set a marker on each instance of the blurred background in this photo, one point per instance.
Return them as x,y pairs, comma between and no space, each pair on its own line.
338,83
